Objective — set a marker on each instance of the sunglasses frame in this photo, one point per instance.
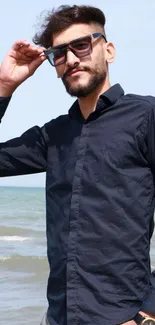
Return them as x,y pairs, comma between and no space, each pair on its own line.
65,46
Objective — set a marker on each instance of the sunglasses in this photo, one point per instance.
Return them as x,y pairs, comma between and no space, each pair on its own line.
81,47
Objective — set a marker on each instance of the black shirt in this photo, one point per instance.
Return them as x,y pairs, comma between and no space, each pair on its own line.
100,204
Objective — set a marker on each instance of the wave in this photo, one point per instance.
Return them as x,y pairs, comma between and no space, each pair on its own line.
22,258
4,258
18,263
21,231
14,238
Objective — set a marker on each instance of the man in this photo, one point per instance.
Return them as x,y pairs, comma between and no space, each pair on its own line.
100,165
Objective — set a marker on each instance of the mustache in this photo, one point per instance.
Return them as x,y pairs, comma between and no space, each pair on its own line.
73,68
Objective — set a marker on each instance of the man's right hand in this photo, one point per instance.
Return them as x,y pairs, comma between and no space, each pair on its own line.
19,64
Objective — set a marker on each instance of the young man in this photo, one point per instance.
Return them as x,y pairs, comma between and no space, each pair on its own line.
100,165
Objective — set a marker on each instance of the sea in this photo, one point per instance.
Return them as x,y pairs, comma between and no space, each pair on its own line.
23,256
23,263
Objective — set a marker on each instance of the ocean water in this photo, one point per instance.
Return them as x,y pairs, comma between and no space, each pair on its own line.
23,263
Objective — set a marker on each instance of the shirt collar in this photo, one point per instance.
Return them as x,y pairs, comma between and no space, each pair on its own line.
113,94
107,99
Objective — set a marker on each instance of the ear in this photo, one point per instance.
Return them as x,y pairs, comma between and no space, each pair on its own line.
110,52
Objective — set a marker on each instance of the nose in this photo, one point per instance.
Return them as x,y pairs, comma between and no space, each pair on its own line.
71,58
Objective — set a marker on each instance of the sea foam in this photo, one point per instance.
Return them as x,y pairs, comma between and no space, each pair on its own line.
14,238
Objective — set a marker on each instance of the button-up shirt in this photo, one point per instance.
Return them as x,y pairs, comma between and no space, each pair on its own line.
100,175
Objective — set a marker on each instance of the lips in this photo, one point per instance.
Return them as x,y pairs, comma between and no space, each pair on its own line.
74,72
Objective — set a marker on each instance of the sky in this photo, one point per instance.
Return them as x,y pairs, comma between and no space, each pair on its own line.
130,25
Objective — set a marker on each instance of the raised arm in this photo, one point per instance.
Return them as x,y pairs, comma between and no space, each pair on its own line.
27,153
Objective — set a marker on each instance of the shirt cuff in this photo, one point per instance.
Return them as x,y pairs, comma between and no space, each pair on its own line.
4,101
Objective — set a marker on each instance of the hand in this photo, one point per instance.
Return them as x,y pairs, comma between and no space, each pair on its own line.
19,64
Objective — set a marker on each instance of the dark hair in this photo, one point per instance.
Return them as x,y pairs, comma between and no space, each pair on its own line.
65,16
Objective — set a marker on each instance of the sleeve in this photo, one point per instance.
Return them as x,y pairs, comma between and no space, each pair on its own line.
25,154
148,305
4,101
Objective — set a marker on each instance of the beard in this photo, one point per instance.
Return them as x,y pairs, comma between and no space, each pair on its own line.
96,79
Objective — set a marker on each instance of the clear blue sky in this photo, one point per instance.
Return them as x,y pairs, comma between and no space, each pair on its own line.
130,25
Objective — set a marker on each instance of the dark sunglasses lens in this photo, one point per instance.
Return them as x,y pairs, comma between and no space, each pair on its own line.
57,57
82,47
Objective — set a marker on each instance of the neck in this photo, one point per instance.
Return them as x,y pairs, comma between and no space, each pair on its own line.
88,104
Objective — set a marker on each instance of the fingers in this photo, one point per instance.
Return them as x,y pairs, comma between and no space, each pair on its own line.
31,50
24,47
23,55
16,46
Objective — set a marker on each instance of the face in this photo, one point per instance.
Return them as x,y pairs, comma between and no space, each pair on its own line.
82,76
